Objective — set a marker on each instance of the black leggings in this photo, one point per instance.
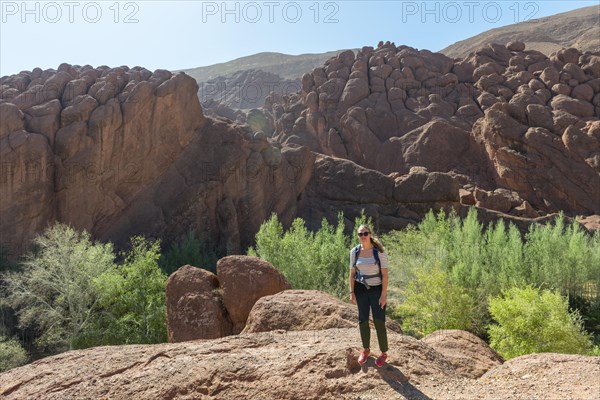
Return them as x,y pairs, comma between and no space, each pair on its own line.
368,300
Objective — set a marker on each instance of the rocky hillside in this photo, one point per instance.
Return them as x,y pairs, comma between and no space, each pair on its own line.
226,88
120,151
579,29
285,65
517,130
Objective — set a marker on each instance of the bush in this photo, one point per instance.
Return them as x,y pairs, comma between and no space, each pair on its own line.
563,258
486,262
433,302
53,292
308,260
131,308
531,320
12,354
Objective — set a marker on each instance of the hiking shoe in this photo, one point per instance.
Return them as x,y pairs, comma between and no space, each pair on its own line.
381,360
364,355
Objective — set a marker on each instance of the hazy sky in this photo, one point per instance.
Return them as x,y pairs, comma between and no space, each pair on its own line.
186,34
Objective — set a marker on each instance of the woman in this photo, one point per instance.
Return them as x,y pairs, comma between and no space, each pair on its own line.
370,259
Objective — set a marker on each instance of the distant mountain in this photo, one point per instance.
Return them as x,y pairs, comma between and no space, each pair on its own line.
285,65
579,28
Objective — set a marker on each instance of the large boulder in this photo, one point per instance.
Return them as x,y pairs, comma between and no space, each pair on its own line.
246,279
297,310
195,306
471,356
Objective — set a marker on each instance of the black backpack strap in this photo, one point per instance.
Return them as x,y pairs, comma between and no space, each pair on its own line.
356,253
377,260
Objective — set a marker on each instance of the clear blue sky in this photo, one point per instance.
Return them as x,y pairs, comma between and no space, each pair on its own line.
186,34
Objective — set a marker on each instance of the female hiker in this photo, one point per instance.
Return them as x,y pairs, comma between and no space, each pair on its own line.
369,263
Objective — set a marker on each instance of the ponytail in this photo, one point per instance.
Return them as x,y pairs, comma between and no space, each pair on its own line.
377,244
374,240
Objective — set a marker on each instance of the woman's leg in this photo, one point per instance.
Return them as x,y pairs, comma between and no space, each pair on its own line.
362,301
379,319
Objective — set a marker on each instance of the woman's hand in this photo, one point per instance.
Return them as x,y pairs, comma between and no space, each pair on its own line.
382,300
353,298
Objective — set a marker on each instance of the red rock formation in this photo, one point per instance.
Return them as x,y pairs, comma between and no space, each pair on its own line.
471,356
245,280
504,118
195,306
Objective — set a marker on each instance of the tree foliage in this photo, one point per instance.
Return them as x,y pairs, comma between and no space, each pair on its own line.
54,290
131,308
530,320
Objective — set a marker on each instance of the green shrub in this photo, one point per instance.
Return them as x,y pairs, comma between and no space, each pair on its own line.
190,250
12,354
53,292
531,320
563,258
486,261
131,308
308,260
433,302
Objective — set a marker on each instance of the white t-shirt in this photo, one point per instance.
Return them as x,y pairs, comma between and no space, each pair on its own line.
368,266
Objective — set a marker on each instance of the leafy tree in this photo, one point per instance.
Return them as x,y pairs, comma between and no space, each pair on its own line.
132,307
530,320
308,260
54,290
433,302
12,354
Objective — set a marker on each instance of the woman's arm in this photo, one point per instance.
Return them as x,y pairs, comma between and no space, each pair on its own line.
352,271
352,296
384,284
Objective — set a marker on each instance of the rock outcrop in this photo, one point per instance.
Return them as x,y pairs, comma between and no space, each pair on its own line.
245,280
291,365
392,130
299,310
120,151
394,200
471,356
202,305
86,140
195,306
505,120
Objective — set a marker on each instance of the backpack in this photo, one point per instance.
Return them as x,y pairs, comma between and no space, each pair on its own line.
359,277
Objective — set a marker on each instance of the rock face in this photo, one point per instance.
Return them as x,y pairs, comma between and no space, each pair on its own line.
298,310
245,280
394,200
120,151
507,121
86,140
470,355
290,365
195,306
391,130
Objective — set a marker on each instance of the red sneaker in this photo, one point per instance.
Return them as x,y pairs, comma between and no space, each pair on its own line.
364,355
381,360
